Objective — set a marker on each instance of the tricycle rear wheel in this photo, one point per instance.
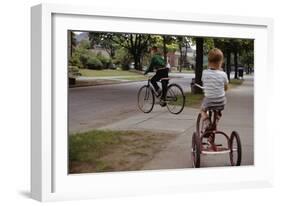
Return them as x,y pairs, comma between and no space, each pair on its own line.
196,150
235,149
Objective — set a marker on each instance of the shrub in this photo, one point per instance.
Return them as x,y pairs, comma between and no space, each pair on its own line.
104,60
80,55
84,58
73,69
94,63
123,58
75,61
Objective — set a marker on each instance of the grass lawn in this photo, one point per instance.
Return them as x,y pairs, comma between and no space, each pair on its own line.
135,78
184,71
235,82
193,100
105,151
106,73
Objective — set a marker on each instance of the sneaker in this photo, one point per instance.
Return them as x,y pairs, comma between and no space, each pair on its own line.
162,103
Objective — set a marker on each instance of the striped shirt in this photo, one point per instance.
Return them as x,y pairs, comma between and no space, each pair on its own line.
213,82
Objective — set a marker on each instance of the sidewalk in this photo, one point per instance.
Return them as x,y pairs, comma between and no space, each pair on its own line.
238,115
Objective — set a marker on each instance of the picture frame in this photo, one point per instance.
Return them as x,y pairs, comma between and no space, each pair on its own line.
49,177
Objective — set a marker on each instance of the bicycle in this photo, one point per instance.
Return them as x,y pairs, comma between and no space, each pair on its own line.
203,140
175,98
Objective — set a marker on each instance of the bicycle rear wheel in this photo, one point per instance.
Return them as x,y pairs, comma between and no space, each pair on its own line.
175,99
146,99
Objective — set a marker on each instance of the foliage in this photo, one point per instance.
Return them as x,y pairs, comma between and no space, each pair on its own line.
247,58
106,62
103,40
208,45
73,71
122,58
94,63
84,57
80,55
75,60
163,40
135,44
247,53
183,44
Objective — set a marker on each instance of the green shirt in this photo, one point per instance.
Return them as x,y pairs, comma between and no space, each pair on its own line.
157,61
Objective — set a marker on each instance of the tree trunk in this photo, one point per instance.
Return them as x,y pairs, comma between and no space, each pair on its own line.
236,64
228,63
137,61
165,48
180,59
199,64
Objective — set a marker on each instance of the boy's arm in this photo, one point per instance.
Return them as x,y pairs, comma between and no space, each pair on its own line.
225,87
226,82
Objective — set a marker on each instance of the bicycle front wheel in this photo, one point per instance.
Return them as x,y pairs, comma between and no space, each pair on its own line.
145,99
175,99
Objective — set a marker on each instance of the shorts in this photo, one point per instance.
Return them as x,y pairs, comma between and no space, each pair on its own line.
213,102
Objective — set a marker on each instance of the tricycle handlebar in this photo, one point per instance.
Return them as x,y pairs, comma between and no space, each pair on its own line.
198,85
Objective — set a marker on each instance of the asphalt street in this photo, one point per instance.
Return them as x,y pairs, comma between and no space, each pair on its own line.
92,107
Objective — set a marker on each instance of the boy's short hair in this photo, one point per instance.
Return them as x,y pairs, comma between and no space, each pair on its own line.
154,48
215,56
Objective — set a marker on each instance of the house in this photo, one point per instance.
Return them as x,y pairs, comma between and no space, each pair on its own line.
174,58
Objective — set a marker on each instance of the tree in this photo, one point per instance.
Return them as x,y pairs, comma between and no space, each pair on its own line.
208,45
236,47
184,43
165,43
71,43
135,44
103,40
199,63
82,52
247,54
169,44
226,47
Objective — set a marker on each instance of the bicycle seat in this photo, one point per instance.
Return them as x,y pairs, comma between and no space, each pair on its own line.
216,108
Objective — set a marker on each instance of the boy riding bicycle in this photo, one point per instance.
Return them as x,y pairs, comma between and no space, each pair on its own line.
158,63
215,84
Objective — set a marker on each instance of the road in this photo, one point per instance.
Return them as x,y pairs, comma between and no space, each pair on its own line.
92,107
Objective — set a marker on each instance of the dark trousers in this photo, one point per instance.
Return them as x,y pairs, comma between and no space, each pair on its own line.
161,73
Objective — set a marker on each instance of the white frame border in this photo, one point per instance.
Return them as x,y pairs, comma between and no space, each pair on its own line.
42,88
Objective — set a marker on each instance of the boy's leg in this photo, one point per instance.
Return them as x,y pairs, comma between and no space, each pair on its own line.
205,119
203,114
154,80
204,107
164,89
164,74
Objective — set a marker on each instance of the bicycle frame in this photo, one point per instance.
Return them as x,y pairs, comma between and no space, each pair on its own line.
152,87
